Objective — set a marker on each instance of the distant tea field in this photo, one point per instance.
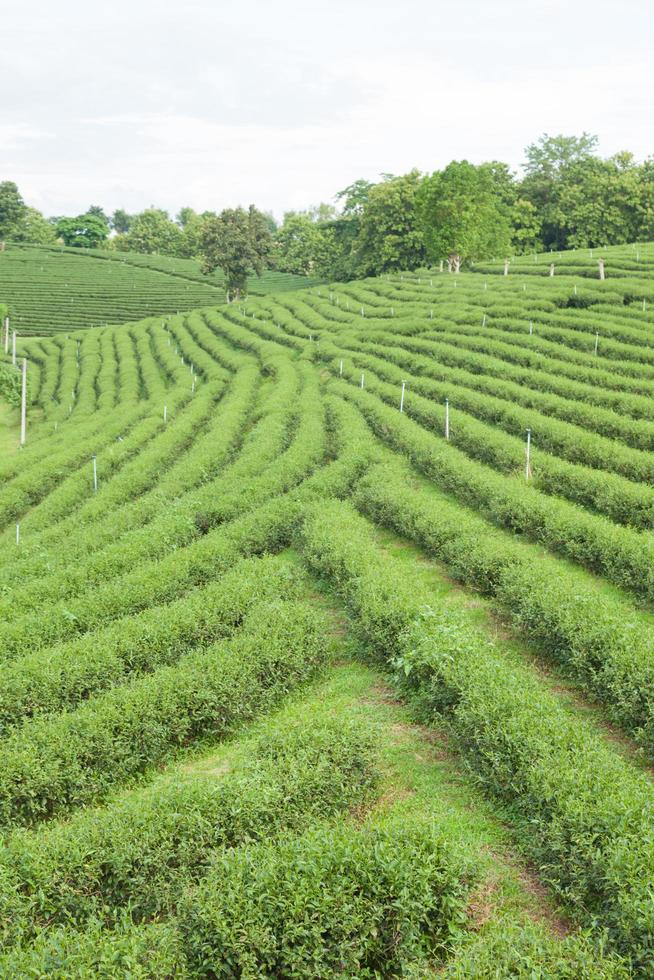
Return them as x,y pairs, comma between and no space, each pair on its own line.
327,623
49,289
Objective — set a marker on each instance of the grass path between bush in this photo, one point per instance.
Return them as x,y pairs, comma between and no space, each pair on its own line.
9,422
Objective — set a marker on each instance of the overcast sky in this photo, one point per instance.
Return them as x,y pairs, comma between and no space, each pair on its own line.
128,103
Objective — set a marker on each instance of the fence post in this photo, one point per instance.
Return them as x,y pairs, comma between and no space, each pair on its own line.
528,456
447,418
23,404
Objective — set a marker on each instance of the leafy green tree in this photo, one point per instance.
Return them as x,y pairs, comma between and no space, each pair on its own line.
238,242
355,197
99,212
526,225
303,246
84,231
646,201
184,215
546,172
389,236
461,215
598,201
121,221
152,232
12,208
32,227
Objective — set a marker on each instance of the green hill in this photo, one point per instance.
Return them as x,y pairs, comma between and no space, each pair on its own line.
344,667
53,289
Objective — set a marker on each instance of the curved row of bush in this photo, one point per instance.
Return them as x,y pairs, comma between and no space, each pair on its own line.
63,676
53,764
582,813
618,553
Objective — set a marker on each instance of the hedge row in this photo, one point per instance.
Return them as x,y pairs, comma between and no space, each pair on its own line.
583,814
54,764
66,675
143,851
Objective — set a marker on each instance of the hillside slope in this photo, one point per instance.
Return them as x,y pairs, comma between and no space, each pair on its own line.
328,676
50,289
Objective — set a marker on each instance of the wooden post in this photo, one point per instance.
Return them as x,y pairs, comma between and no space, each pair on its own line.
527,455
447,418
362,379
596,342
552,269
506,267
23,404
531,327
340,370
600,263
402,396
95,473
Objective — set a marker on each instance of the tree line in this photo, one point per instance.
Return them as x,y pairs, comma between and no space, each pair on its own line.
567,197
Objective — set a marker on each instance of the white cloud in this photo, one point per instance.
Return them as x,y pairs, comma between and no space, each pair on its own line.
212,104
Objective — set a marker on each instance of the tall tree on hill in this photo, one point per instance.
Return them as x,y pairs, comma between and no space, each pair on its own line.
462,216
302,246
32,227
598,202
389,235
238,242
12,208
84,231
547,169
152,232
121,221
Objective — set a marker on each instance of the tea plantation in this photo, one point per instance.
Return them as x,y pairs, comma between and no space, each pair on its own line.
50,289
344,666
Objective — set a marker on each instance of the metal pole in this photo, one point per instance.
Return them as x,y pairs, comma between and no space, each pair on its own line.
18,532
165,413
447,418
596,342
95,474
340,370
13,348
402,396
528,454
362,379
23,404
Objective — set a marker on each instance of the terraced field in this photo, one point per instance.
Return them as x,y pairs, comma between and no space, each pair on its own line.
49,290
327,678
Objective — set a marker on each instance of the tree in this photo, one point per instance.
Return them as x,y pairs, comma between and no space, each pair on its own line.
32,227
526,226
238,242
355,197
303,247
184,215
461,215
12,208
389,236
84,231
646,201
598,202
121,221
546,170
152,232
96,210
